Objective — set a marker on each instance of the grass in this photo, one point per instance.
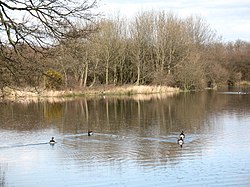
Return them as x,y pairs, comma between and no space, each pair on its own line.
245,83
129,90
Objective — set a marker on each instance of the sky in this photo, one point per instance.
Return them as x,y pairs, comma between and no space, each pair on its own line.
229,18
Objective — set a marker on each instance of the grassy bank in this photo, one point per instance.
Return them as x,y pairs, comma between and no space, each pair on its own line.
15,93
245,83
122,90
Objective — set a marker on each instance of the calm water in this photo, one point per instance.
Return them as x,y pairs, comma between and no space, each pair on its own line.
134,141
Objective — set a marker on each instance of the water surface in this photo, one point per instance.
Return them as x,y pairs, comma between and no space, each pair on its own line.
134,141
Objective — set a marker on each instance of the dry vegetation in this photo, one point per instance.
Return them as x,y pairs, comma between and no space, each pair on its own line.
134,92
108,90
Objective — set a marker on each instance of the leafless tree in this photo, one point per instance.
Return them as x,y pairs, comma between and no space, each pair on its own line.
142,31
43,22
170,42
37,25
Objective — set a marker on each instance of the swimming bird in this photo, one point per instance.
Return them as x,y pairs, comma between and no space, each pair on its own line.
180,141
182,135
90,133
52,141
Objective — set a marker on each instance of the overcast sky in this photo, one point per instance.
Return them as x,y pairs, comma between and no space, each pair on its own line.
230,18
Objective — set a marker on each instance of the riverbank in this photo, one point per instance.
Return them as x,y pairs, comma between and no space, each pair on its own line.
244,83
18,93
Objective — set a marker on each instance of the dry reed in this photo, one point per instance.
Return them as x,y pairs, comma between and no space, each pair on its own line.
15,93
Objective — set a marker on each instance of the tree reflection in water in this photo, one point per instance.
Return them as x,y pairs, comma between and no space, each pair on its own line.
2,176
130,133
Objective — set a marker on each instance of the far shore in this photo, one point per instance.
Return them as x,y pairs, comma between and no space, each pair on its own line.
32,93
129,90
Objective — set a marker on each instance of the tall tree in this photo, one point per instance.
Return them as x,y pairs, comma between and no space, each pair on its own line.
38,25
141,32
170,42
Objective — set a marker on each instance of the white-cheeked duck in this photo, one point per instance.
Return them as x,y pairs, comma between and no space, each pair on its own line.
180,141
52,141
90,133
182,135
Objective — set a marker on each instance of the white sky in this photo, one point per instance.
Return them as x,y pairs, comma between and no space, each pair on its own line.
230,18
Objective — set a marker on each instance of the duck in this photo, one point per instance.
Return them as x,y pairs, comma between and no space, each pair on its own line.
52,141
182,135
180,141
90,133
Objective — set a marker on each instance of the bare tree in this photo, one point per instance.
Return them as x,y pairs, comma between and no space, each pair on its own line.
189,73
199,31
43,22
238,54
170,42
142,31
38,25
111,47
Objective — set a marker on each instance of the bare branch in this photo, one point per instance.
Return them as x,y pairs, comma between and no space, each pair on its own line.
44,21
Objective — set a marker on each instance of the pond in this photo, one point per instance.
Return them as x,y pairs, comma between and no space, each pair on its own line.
134,141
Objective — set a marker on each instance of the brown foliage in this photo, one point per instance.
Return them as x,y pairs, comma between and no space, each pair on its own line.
153,48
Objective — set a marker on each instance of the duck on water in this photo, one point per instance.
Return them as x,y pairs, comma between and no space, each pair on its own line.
182,135
180,141
52,141
90,133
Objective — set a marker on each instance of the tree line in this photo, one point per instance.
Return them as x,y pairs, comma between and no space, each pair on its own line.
152,48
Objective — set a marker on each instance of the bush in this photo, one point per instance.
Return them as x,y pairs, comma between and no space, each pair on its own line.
53,79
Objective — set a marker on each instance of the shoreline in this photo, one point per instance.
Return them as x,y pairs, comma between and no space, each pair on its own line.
129,90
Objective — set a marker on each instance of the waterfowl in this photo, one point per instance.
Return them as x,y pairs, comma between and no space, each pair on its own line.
180,141
182,135
90,133
52,141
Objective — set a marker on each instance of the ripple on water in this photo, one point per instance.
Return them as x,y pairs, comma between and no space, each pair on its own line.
118,160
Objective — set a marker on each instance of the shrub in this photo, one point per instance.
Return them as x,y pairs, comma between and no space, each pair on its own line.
53,79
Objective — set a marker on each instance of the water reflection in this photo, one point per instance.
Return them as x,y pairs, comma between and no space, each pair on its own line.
2,175
134,141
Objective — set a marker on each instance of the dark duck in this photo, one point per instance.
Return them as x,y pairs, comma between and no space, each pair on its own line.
90,133
182,135
180,141
52,141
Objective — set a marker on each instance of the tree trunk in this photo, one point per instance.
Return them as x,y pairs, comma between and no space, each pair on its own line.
86,74
170,61
115,75
107,72
65,78
138,74
81,77
94,79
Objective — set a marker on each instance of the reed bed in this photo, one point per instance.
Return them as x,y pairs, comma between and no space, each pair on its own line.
131,90
16,93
